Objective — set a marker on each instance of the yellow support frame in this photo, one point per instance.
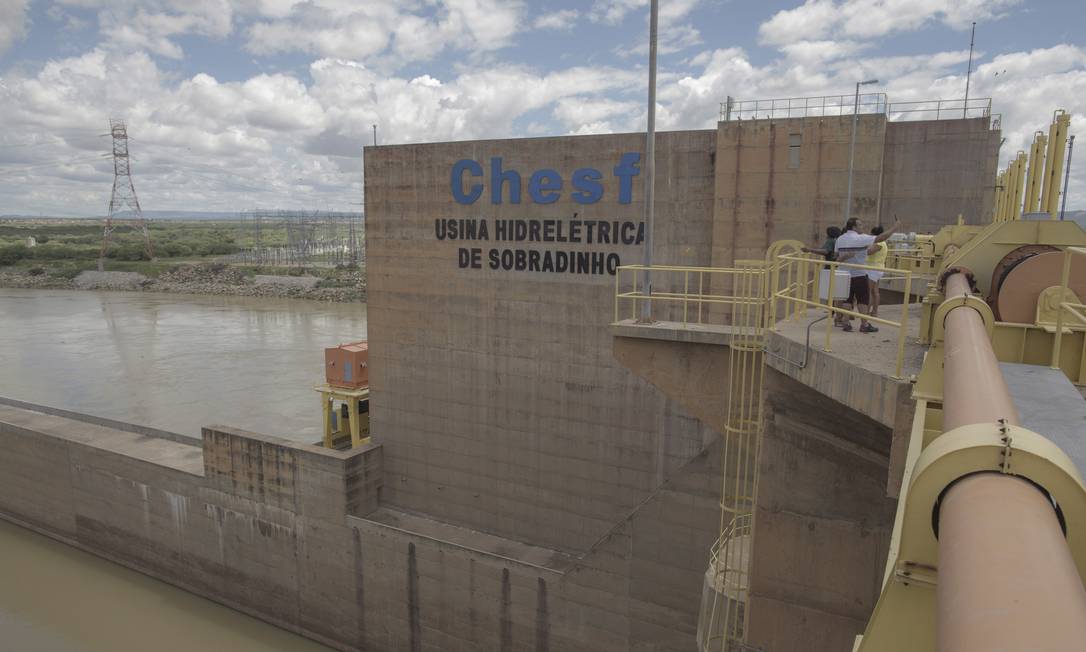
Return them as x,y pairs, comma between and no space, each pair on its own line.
1009,192
1035,175
329,395
1057,144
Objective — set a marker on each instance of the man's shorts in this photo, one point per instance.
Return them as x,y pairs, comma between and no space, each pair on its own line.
857,290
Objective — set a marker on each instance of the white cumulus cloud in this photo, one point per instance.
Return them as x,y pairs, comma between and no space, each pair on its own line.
399,32
13,22
562,19
822,19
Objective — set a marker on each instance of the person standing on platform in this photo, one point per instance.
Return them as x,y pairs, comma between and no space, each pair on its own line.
828,247
852,248
828,250
876,257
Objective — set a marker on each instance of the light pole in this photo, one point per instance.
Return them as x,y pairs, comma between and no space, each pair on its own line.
852,144
1067,174
650,167
969,71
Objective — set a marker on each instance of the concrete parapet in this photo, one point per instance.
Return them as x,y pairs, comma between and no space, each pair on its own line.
856,373
305,479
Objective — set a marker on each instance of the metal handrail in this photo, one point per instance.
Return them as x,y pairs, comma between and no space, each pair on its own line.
697,292
979,107
788,107
806,293
846,104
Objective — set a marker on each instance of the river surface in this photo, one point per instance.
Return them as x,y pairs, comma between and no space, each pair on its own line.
174,362
54,598
171,361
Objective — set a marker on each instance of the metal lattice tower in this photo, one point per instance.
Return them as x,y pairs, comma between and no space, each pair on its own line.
124,195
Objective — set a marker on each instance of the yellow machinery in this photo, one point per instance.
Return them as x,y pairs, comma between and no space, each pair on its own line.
345,395
1020,541
989,543
1036,188
988,550
345,414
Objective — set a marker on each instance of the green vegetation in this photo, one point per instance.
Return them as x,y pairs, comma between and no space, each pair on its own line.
64,247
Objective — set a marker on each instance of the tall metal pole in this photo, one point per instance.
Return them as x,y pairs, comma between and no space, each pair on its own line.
851,152
1067,175
374,135
650,166
969,71
852,144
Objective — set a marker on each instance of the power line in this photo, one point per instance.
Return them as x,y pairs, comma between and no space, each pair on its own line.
23,168
60,140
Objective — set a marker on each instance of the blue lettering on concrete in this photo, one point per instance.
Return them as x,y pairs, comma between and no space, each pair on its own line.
498,178
458,170
626,170
587,182
544,186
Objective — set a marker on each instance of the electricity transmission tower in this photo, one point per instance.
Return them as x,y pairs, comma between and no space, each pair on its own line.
124,195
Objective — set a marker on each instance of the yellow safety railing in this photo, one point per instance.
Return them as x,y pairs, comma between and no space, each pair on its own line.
736,298
724,626
805,291
1077,310
691,292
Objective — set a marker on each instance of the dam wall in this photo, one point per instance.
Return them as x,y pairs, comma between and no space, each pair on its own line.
294,535
539,478
250,521
499,402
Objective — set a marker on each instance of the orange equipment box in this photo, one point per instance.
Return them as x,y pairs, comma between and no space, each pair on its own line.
347,365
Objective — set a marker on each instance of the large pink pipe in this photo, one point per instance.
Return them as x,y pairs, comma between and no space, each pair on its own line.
1006,577
973,387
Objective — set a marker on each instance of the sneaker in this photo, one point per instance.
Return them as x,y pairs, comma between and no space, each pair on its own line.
868,328
847,327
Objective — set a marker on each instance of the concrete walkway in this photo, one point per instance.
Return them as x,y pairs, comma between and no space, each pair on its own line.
156,450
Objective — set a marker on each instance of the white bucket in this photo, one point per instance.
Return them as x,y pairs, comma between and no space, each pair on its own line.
840,284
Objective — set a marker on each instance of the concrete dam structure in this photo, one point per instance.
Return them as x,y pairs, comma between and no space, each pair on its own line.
544,473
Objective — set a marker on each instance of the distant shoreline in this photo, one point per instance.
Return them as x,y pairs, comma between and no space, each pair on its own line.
214,280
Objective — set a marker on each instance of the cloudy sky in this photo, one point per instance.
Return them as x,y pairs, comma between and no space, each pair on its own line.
233,105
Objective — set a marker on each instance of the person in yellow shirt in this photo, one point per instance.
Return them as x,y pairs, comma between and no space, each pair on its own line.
876,257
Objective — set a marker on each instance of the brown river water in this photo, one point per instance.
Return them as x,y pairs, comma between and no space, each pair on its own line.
171,361
168,361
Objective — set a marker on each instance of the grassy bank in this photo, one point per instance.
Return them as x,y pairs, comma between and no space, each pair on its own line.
56,251
72,244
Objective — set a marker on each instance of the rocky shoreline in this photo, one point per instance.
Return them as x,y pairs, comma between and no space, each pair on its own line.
210,279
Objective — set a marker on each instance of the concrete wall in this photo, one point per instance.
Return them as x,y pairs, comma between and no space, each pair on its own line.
293,534
494,392
938,169
823,522
788,179
253,522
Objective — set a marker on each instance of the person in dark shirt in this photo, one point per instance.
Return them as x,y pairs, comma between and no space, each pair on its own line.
827,249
